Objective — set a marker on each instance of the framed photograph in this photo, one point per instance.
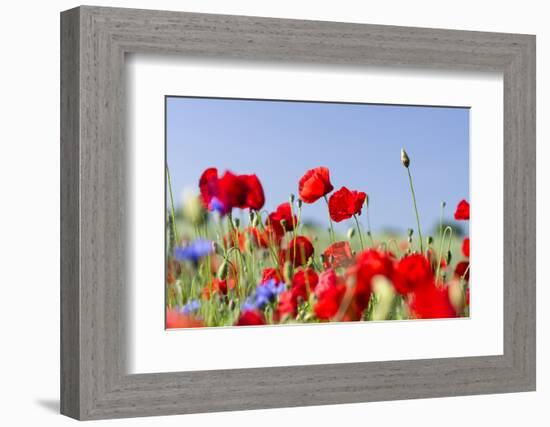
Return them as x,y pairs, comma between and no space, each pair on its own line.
261,213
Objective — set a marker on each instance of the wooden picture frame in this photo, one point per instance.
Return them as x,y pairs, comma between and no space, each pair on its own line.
94,41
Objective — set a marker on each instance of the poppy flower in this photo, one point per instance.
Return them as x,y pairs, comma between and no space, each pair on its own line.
287,306
315,184
304,282
217,286
264,238
282,219
462,269
327,280
412,272
337,255
271,274
462,210
300,250
251,318
370,263
230,191
235,238
176,319
466,247
343,204
431,302
255,198
329,304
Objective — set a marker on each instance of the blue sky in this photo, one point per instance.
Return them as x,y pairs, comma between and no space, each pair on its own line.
280,140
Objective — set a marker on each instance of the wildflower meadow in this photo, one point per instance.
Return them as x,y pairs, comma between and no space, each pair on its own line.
231,262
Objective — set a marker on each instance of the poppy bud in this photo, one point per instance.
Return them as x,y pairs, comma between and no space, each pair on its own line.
218,248
237,222
405,158
291,198
429,240
300,202
222,271
367,200
384,293
449,257
410,232
457,296
351,233
443,204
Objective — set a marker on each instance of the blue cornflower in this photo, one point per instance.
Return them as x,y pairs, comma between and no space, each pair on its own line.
265,293
216,205
191,306
194,251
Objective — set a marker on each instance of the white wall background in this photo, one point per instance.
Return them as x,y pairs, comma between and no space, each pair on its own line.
29,212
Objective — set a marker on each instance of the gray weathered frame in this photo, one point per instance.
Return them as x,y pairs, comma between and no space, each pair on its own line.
94,41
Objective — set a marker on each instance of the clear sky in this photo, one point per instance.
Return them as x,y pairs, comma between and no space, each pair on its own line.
360,144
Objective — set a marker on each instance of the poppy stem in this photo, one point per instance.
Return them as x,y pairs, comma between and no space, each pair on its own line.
441,250
416,211
172,208
359,232
333,237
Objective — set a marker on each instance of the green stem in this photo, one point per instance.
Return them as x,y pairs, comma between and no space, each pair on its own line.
416,211
359,232
441,250
173,211
330,221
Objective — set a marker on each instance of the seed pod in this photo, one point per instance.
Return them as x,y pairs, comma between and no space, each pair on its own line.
351,233
405,158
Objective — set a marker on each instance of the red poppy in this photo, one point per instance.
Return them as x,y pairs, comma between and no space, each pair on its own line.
300,250
462,270
343,204
369,263
264,238
275,219
287,307
315,184
327,280
462,210
412,272
271,274
219,287
337,255
304,282
230,191
251,318
329,304
255,198
175,319
431,302
466,247
235,238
